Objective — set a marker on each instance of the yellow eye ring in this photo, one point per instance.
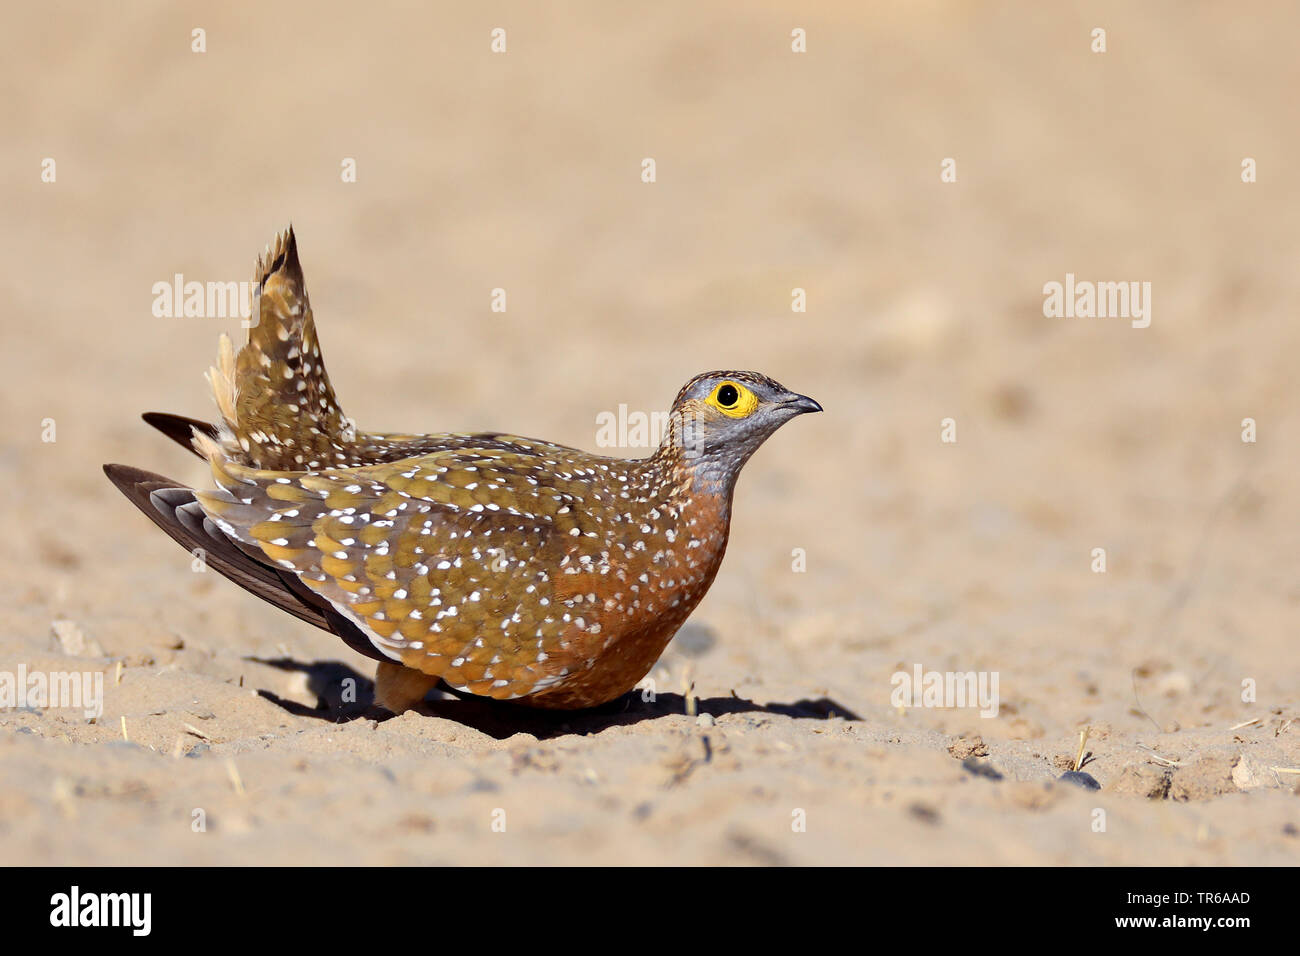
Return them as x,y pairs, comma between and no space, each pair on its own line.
733,400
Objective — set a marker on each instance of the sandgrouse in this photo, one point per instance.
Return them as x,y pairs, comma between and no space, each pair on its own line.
506,567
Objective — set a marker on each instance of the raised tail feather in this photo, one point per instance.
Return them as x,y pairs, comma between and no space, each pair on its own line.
277,406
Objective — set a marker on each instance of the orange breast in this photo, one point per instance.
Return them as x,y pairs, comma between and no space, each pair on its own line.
637,605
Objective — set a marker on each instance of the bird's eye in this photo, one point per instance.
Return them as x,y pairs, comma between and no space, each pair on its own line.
733,400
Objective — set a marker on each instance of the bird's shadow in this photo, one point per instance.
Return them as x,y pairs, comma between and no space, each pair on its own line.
344,695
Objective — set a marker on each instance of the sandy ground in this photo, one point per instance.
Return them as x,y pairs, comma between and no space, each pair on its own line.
775,170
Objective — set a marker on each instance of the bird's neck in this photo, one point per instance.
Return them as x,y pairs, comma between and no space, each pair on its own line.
699,469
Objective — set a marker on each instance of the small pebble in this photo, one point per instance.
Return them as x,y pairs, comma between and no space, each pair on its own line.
70,638
72,641
705,720
1080,779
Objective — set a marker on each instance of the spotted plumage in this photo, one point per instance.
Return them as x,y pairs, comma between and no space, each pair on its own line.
503,566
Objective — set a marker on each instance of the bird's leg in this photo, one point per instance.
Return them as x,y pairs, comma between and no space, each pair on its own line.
399,688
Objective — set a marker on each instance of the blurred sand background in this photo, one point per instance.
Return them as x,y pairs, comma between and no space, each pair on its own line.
775,170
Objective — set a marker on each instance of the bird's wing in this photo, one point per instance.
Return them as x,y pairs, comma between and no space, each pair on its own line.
462,563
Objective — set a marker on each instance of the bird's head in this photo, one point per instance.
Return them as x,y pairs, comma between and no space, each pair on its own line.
720,418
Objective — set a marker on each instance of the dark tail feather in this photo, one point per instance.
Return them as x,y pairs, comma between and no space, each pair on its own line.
179,429
172,507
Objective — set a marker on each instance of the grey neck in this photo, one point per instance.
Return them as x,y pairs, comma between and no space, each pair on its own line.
713,467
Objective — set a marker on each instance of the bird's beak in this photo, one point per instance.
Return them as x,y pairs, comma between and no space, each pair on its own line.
799,404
